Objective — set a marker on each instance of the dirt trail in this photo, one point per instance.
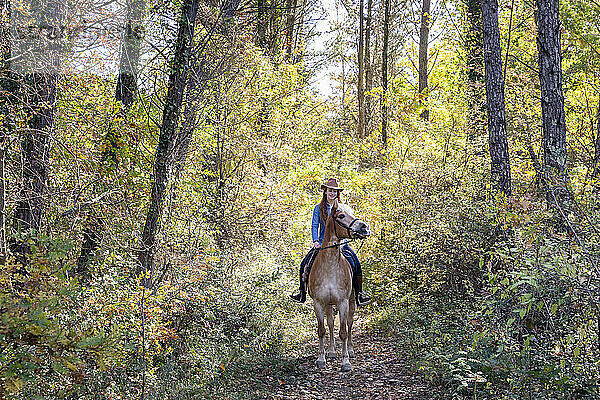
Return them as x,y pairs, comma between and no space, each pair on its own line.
378,373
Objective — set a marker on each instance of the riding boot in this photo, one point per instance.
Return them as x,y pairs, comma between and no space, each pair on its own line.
300,297
362,298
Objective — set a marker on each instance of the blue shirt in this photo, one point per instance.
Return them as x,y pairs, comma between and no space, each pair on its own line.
318,225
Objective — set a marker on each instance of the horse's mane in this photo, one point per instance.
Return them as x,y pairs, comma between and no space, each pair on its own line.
329,228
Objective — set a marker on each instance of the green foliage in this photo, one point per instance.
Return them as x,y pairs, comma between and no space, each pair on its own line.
229,255
536,333
482,296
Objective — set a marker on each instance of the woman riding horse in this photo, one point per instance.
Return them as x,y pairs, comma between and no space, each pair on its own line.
331,192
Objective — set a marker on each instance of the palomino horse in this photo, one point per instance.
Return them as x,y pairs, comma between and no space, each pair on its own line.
330,282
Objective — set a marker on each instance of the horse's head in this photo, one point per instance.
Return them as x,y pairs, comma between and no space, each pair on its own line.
351,227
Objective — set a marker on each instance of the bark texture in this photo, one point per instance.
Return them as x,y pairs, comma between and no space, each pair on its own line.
92,236
170,120
261,24
127,78
7,88
596,166
38,65
126,89
475,70
368,67
558,196
384,71
130,53
35,149
494,88
361,70
423,56
291,6
299,32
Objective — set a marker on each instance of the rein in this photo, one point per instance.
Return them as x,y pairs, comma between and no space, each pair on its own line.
337,245
335,223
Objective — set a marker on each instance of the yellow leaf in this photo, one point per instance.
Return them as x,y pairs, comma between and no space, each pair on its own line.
71,366
14,385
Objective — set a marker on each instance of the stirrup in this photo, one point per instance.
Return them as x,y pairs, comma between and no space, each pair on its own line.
362,299
298,297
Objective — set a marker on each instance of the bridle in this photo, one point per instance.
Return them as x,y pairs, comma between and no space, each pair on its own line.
348,227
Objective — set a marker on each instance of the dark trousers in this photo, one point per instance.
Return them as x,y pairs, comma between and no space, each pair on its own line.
347,252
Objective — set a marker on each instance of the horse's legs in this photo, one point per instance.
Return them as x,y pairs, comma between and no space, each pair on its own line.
320,313
343,307
351,309
330,324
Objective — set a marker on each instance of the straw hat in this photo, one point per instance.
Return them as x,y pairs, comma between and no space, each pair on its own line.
331,183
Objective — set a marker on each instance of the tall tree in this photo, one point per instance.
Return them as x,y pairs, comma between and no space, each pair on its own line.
475,69
361,70
596,167
301,17
368,66
170,121
130,53
125,91
291,6
276,26
384,71
39,63
423,56
261,23
6,125
558,194
494,89
202,69
35,149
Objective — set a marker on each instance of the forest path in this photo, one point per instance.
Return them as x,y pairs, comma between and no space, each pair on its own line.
378,372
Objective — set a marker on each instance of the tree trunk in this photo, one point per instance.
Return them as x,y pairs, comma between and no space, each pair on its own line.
276,27
261,24
92,236
361,70
3,249
596,166
368,68
475,68
170,120
202,69
494,88
299,50
127,78
40,64
130,53
423,57
384,70
289,31
558,195
35,149
6,127
125,91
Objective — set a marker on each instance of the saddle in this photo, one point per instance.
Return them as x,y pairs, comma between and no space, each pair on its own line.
309,264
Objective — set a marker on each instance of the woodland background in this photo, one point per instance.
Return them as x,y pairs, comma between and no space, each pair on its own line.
159,161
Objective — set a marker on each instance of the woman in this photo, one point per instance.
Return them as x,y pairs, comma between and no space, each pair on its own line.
331,192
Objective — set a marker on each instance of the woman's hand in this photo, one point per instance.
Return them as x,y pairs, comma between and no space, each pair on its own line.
316,244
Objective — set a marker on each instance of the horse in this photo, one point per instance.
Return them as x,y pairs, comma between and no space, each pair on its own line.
330,282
